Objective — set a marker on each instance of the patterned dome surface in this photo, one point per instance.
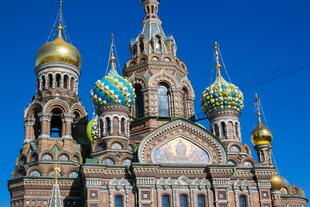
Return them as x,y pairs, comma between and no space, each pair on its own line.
221,95
92,130
112,89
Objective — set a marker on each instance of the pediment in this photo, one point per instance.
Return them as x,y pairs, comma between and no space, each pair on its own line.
181,142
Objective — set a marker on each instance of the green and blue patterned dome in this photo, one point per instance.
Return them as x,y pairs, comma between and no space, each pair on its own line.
112,89
221,94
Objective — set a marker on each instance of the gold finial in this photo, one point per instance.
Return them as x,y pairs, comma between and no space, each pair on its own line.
217,59
57,171
112,57
257,106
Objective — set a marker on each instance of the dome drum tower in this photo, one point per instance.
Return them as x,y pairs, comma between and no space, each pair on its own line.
108,132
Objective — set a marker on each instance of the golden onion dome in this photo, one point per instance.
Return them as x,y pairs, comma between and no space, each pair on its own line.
261,134
276,182
58,50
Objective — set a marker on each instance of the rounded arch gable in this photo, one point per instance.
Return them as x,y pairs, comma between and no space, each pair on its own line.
56,103
139,80
178,137
32,107
77,107
163,78
188,86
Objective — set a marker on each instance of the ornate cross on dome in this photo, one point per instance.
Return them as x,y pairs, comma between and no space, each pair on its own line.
217,59
257,106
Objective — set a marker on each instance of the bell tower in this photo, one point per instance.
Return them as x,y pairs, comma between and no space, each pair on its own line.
159,77
55,125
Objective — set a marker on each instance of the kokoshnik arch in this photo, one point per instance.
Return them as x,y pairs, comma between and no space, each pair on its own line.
143,147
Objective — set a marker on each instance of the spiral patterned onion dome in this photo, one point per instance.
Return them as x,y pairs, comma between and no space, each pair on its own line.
92,130
221,95
112,89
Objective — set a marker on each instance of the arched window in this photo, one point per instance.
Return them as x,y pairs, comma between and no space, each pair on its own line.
185,98
141,45
37,123
183,201
242,201
123,121
58,78
163,100
108,126
165,201
50,80
237,129
43,82
224,129
77,125
201,200
56,123
101,127
118,201
216,130
66,80
139,101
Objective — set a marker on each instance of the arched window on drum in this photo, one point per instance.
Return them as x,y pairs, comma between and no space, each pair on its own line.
185,102
139,103
56,123
163,100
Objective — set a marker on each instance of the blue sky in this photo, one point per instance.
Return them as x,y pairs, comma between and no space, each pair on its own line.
256,37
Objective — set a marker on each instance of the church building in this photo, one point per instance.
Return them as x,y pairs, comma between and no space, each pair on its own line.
144,146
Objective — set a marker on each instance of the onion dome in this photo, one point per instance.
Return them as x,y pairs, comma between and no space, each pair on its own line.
221,94
58,50
276,182
113,88
92,130
261,134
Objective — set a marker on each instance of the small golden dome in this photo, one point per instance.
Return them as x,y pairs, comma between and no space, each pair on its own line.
261,134
58,51
276,182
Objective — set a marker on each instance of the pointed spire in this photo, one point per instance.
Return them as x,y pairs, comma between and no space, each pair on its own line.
55,199
217,59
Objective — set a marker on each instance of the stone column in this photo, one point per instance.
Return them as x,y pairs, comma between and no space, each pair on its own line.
29,132
45,119
68,120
